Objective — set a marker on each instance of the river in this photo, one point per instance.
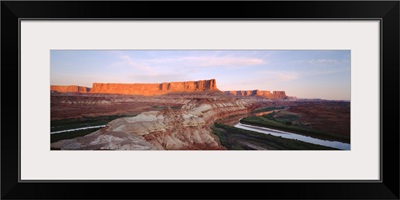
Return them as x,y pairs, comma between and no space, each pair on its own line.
78,129
288,135
278,133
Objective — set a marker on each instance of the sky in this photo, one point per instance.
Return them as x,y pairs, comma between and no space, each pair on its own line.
321,74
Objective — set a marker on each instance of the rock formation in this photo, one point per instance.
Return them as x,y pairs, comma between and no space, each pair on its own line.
154,88
187,128
257,93
198,104
70,88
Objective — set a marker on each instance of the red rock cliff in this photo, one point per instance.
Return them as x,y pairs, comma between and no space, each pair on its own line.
153,88
259,93
70,88
279,94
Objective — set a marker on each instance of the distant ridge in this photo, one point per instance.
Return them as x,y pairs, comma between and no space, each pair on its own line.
255,93
151,89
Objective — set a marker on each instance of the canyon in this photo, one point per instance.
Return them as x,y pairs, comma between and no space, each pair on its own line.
177,116
168,129
166,116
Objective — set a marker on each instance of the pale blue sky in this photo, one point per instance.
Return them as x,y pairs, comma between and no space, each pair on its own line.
301,73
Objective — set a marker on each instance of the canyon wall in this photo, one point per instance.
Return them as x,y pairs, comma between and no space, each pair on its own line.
70,88
144,89
257,93
153,88
187,128
150,89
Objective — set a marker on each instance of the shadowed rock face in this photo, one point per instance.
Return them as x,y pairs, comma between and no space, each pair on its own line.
187,128
70,88
255,93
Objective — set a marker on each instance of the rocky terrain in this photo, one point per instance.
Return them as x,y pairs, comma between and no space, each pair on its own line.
172,116
328,116
178,116
186,128
257,93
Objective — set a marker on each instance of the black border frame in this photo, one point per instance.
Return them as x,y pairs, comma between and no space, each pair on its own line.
386,11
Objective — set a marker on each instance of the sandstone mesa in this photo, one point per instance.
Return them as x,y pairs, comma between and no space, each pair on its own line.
145,89
70,88
151,89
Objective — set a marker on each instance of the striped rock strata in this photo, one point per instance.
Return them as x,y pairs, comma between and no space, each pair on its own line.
187,128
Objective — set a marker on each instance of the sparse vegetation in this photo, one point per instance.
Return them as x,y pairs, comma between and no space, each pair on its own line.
166,107
269,109
288,122
328,117
65,124
238,139
69,135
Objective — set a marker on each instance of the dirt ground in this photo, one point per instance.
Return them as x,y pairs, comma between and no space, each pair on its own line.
332,117
67,107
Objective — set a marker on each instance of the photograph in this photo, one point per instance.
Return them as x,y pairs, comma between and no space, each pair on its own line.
200,99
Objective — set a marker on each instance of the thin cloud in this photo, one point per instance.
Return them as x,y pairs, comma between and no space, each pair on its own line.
327,72
230,61
263,80
193,61
282,76
212,61
156,78
127,61
288,76
320,61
